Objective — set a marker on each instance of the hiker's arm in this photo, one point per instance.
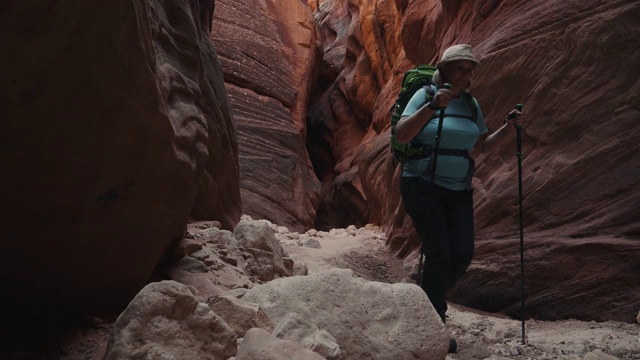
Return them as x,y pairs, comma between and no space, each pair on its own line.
506,132
409,126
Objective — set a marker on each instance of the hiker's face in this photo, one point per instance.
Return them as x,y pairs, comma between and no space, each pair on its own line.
458,73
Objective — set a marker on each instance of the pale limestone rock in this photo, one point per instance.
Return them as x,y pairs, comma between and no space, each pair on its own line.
258,344
598,355
293,327
261,264
370,320
186,246
311,242
282,230
210,262
203,225
238,293
289,242
257,235
217,236
239,314
338,232
300,268
191,264
474,352
166,321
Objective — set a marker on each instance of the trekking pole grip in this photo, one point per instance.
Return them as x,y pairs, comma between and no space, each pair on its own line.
448,87
518,107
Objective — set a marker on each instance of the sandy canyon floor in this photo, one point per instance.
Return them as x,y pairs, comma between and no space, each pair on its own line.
480,335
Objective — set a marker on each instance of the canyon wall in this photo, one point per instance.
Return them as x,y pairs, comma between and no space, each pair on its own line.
362,45
269,53
115,131
574,66
114,137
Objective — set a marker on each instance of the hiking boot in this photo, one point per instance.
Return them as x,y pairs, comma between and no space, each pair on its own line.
453,346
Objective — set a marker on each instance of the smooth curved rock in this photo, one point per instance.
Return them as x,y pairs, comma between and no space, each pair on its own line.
112,137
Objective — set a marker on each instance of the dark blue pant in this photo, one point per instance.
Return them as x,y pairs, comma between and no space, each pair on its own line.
444,222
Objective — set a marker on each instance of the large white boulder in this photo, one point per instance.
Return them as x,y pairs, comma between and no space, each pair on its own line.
166,321
369,320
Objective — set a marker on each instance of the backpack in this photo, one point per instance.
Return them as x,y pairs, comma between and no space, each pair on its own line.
415,78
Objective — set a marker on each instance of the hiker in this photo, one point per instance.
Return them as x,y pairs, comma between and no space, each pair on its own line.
441,207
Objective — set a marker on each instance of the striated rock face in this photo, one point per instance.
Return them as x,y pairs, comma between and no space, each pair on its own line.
115,130
586,279
361,42
269,52
574,68
579,157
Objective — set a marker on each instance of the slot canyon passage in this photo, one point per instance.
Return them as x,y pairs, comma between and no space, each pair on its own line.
198,152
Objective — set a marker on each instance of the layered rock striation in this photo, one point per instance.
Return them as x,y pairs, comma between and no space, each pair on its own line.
269,53
573,66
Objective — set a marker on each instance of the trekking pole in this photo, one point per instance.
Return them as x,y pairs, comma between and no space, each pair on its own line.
519,156
433,178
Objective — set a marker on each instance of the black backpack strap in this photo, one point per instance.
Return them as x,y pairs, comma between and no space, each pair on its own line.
421,151
463,116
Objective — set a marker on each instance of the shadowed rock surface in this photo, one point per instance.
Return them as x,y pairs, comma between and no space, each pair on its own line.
591,279
112,137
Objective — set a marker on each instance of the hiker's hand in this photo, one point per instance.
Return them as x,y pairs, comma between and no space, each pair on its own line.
442,98
516,118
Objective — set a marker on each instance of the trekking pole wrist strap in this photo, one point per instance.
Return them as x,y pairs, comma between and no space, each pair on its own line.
432,106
